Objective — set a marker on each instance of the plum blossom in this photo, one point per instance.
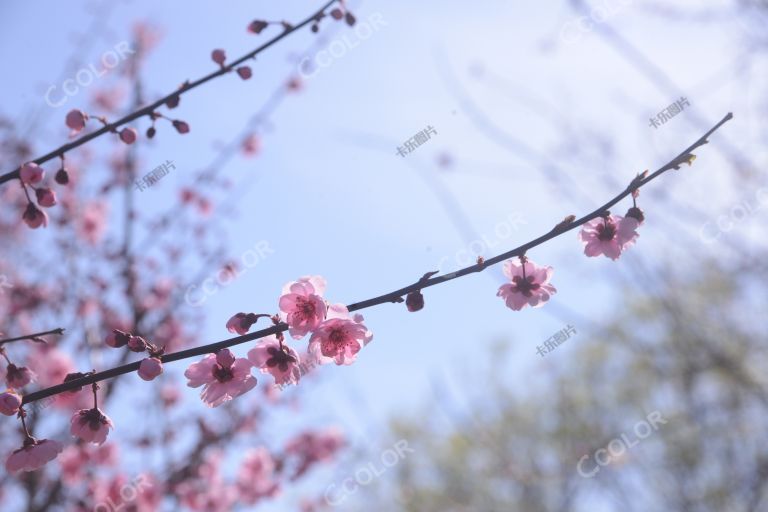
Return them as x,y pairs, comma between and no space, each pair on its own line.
128,135
241,323
34,217
302,305
75,120
150,368
91,425
256,479
31,173
18,377
609,235
9,403
529,285
339,338
309,448
222,376
45,197
281,361
33,455
219,56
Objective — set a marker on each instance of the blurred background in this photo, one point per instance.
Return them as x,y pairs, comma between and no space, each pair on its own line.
538,110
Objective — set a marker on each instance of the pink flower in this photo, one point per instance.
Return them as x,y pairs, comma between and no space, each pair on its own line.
244,72
128,135
256,479
34,217
45,197
19,377
222,376
33,455
241,322
93,221
91,425
530,285
251,145
282,363
256,26
31,174
339,338
218,56
181,126
150,368
117,338
9,403
76,120
136,344
302,305
608,235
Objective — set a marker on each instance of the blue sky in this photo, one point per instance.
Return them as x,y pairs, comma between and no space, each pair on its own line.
331,197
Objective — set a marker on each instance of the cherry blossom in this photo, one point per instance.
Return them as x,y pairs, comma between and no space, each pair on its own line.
339,338
33,455
75,120
256,479
150,368
219,56
45,197
34,217
128,135
9,403
18,377
91,425
241,323
222,376
302,305
279,360
609,235
31,173
529,285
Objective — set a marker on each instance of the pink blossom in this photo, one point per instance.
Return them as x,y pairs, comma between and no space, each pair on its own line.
34,217
181,126
218,56
313,447
31,174
136,344
281,362
128,135
530,285
117,338
244,72
18,377
33,455
150,368
609,235
251,145
302,305
93,221
9,403
241,323
75,120
91,425
256,479
339,338
256,26
222,376
45,197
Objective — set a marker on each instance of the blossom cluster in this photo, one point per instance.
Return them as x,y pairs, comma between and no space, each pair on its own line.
335,336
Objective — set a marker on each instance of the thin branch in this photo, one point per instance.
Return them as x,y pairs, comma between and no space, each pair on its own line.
396,296
58,331
185,87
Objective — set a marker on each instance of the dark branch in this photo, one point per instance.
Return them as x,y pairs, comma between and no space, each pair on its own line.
396,296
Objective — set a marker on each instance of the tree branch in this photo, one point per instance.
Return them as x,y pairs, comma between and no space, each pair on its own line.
186,86
396,296
58,330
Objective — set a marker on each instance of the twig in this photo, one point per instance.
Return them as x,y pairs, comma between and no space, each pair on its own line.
58,331
186,86
395,296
